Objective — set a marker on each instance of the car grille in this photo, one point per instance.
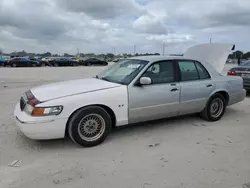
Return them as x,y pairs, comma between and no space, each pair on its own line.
22,103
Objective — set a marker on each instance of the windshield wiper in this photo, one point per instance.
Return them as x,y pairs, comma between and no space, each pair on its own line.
106,79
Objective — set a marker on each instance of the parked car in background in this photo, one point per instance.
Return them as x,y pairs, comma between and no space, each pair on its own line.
40,62
242,70
116,60
2,62
63,61
20,62
46,59
121,60
137,90
94,61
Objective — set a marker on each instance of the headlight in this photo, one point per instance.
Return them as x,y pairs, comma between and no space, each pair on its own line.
43,111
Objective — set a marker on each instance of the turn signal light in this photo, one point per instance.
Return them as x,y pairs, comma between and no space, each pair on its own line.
38,111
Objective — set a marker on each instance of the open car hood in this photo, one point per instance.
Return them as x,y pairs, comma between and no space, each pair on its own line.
215,54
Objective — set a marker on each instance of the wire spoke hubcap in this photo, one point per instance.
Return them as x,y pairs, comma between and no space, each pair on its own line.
216,108
91,127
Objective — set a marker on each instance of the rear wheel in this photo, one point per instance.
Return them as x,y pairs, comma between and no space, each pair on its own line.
215,108
55,64
89,126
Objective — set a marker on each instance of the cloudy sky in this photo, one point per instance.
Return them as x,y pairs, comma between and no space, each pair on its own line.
101,26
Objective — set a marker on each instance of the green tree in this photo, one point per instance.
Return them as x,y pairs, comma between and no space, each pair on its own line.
246,55
110,55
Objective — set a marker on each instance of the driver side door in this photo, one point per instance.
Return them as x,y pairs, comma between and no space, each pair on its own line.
158,100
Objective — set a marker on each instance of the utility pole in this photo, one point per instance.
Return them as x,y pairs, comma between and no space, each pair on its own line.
163,48
210,40
134,49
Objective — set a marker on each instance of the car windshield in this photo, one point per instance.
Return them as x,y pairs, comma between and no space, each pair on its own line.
123,72
246,63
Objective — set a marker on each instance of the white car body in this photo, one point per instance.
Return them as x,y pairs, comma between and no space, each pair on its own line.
75,94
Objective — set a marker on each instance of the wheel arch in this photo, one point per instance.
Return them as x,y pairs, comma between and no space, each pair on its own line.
106,108
224,93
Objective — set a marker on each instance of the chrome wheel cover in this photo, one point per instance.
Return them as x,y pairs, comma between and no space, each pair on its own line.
216,107
91,127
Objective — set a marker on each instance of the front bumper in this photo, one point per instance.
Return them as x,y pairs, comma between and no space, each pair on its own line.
40,128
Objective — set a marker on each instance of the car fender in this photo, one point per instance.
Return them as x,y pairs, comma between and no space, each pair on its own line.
114,98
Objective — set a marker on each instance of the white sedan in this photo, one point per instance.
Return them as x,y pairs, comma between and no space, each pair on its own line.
136,90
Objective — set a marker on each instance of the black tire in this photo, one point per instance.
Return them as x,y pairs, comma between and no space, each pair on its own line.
33,65
88,64
55,64
43,65
207,113
13,65
74,128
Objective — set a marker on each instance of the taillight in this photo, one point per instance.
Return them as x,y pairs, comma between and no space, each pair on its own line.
31,98
231,73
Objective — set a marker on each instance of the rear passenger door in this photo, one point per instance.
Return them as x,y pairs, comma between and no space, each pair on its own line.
196,86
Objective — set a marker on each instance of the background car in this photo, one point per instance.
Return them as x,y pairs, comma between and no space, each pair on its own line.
244,71
62,61
21,62
2,62
94,61
40,62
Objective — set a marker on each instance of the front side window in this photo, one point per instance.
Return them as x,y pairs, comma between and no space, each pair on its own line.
123,72
188,71
162,72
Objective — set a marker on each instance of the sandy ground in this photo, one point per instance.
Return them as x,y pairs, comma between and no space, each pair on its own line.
184,152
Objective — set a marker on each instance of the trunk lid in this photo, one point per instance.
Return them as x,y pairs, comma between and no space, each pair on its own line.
215,54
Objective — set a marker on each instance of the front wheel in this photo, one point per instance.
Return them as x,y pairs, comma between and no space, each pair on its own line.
89,126
215,108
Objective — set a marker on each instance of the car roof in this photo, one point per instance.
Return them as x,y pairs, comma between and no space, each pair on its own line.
158,58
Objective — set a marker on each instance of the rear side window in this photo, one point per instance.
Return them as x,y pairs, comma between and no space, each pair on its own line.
203,73
188,71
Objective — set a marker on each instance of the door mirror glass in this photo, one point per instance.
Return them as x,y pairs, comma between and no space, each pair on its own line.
145,81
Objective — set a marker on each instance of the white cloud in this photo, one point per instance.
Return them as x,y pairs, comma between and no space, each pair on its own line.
99,26
149,24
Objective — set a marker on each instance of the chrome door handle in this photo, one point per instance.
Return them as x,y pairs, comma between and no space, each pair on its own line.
209,85
174,89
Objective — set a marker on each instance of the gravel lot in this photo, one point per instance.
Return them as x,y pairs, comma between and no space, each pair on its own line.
184,152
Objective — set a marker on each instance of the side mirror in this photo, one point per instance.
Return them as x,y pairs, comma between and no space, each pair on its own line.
145,81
